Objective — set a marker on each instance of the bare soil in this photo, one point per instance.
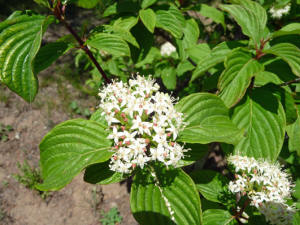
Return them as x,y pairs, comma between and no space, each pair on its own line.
78,203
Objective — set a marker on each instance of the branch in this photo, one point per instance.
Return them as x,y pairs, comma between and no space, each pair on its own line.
59,12
297,80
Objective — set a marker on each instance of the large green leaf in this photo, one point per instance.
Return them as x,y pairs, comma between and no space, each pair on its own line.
69,148
148,199
110,43
20,40
261,115
210,183
217,217
292,28
289,53
169,22
251,16
207,120
100,173
148,18
240,67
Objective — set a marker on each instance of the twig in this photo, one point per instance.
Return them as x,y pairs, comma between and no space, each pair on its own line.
59,12
259,51
297,80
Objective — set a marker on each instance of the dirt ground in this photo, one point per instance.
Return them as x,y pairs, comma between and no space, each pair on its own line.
78,203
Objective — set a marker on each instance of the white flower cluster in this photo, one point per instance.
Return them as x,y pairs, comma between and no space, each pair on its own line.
266,185
143,122
278,13
167,49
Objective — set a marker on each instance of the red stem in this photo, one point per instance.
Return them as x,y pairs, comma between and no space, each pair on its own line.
58,11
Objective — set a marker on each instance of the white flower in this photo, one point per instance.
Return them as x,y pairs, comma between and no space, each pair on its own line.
266,185
277,13
114,135
143,124
167,49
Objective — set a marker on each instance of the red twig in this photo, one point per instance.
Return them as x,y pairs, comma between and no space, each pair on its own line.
259,51
59,12
297,80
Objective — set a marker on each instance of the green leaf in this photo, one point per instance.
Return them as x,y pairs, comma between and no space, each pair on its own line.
145,40
125,6
216,56
168,21
251,16
168,77
287,101
296,220
191,34
292,28
125,22
20,40
126,36
148,18
199,51
69,148
293,132
149,206
49,54
43,2
217,217
289,53
240,67
183,67
110,43
210,184
212,13
87,4
96,116
296,194
196,152
264,77
100,173
207,119
261,116
147,3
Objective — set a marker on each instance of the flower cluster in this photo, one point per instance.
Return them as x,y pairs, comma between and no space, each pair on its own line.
167,49
143,122
266,185
278,13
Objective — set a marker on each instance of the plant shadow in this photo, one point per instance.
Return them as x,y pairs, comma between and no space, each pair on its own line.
152,218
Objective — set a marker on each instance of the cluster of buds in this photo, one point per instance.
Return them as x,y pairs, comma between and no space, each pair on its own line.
277,13
266,185
143,124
